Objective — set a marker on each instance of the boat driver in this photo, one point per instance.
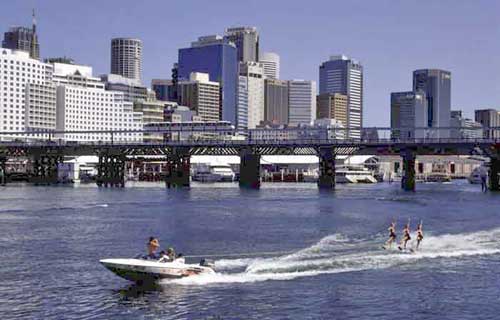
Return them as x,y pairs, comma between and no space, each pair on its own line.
168,256
153,246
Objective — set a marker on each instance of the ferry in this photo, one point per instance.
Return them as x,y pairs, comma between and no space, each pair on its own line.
354,174
214,173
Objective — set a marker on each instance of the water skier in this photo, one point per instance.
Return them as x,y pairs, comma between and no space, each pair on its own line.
420,234
392,236
406,237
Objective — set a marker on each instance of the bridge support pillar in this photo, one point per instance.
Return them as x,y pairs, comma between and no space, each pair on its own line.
326,178
3,171
495,171
111,170
45,168
249,169
177,173
408,177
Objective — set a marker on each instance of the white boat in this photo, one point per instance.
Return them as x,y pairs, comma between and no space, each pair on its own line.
477,174
213,173
139,270
353,174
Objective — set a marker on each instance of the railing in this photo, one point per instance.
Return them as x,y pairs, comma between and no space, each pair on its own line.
228,136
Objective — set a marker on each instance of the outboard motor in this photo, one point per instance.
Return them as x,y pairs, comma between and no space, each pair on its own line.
207,263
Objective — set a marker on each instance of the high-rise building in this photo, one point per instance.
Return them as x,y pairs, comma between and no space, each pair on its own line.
344,75
163,89
271,63
464,128
409,110
242,108
83,104
246,40
27,100
24,39
332,106
132,89
152,110
302,102
201,95
436,84
489,118
276,101
216,57
254,74
126,58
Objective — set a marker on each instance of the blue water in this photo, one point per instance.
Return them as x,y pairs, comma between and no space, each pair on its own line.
332,266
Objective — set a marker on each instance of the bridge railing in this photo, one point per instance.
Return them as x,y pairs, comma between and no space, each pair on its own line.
228,135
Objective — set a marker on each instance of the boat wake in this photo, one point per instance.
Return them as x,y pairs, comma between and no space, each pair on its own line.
338,254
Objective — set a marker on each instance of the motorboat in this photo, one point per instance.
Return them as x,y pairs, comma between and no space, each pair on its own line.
477,175
140,270
213,173
354,174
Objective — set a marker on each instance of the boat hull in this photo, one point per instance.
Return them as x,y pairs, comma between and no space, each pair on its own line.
138,270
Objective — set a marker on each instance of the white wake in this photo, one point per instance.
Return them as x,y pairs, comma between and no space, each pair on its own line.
337,254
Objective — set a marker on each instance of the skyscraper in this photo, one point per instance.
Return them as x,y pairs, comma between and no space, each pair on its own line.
242,106
344,75
254,74
126,57
216,57
332,106
409,110
276,101
302,101
436,84
200,95
246,40
489,118
24,39
271,63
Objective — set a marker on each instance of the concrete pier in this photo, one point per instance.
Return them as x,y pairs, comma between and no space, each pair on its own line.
408,178
495,171
326,168
249,169
111,170
45,168
177,173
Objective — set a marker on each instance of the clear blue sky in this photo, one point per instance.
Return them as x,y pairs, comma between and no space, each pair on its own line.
391,38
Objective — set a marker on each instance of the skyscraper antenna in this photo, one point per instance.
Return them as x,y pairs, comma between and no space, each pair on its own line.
34,18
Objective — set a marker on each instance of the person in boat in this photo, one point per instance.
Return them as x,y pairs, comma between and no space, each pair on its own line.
392,235
168,256
420,234
153,245
406,237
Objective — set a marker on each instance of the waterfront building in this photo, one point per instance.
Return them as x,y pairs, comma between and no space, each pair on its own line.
489,118
254,74
126,58
271,63
409,110
246,40
132,89
322,129
23,39
83,104
201,95
218,58
242,108
152,110
344,75
27,94
302,102
332,106
464,128
276,101
436,84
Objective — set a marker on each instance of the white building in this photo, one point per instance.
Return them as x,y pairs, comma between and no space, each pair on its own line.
254,74
302,101
27,96
271,63
201,95
84,105
464,128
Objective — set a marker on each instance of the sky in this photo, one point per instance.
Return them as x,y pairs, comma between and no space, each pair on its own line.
390,38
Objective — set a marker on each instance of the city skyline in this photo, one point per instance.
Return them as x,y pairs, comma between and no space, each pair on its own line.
381,39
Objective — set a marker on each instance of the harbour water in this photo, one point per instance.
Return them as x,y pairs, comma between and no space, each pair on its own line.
331,266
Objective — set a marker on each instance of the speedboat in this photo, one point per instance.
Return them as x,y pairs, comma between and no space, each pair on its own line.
139,270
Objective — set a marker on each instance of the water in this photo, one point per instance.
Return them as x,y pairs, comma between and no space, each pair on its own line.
52,238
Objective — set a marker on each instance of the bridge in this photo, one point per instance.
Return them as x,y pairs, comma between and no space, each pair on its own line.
46,149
